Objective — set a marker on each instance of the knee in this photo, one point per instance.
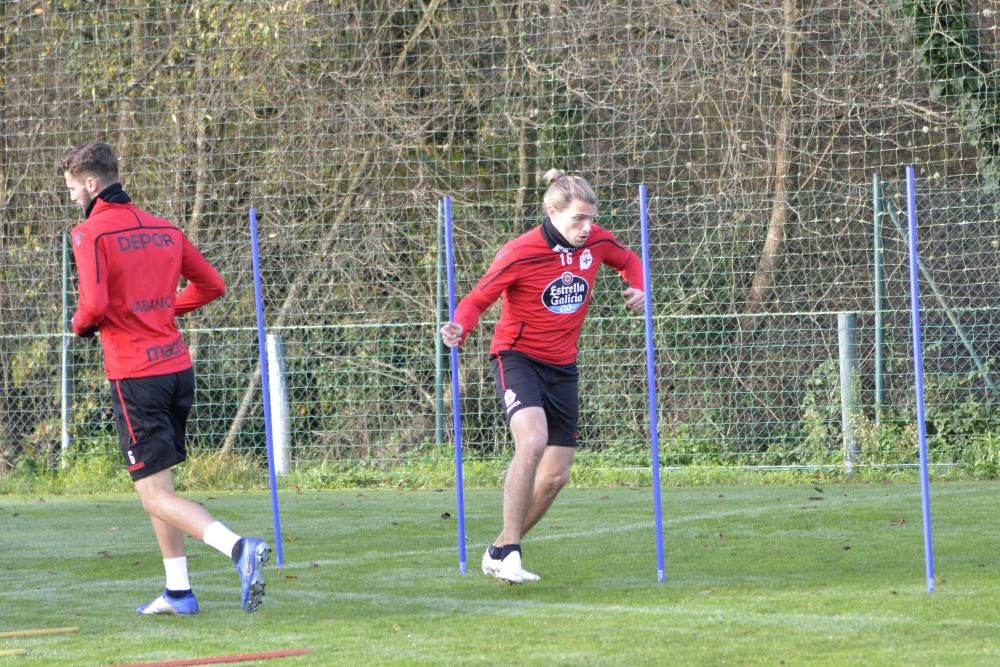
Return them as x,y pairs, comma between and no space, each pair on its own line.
553,482
152,503
149,505
532,448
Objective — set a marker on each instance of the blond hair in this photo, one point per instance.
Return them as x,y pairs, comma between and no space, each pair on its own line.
564,189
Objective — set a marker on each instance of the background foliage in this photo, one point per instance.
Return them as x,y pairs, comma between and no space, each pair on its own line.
757,125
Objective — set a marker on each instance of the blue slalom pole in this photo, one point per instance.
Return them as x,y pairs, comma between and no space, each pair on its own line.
264,389
918,374
654,428
456,409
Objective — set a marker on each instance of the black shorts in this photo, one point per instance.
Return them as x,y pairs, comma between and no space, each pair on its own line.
151,414
524,382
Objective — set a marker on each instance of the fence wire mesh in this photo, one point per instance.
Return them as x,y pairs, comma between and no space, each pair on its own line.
757,126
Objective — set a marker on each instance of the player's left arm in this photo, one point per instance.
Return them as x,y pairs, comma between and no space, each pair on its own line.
628,264
205,284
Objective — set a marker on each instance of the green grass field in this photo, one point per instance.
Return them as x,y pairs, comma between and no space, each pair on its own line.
756,575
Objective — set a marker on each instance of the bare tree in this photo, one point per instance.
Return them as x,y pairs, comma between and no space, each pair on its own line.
781,186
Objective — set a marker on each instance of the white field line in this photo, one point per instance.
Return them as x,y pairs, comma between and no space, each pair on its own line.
834,624
474,554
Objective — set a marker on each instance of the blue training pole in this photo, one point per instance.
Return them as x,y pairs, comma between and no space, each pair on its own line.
456,409
264,389
654,428
918,375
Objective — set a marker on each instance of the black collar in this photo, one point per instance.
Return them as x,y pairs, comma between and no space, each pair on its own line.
554,238
113,194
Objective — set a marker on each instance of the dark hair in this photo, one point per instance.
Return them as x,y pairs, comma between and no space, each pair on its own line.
92,158
563,189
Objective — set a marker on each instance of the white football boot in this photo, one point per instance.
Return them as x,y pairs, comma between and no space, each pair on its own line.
491,568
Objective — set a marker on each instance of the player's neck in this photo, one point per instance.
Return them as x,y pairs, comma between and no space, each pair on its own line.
552,236
113,194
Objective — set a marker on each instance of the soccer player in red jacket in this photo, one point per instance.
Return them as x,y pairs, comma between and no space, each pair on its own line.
545,279
129,264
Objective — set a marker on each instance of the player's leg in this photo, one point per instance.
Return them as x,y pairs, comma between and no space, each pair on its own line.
530,431
177,596
203,525
155,412
140,407
562,413
248,554
551,476
519,388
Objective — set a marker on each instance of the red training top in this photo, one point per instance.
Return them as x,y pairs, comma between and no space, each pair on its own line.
546,289
129,263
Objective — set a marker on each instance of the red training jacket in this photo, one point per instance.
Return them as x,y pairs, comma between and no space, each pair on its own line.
129,264
546,291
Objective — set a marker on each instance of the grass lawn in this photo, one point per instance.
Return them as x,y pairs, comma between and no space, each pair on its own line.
756,575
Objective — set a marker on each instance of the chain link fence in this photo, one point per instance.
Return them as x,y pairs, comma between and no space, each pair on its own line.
757,126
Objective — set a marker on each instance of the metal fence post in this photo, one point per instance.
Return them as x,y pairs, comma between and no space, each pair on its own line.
879,324
64,380
440,313
847,337
278,385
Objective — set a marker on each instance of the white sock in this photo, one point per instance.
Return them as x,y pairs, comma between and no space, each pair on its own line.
219,537
177,573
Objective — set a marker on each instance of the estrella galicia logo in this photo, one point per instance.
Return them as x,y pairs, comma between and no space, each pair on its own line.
566,294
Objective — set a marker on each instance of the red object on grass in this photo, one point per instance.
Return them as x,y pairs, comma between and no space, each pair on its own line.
222,659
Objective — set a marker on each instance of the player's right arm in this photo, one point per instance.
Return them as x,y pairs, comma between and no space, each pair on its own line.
498,277
204,282
92,269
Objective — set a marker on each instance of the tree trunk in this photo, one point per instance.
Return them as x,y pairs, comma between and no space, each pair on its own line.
527,137
771,253
126,117
199,120
193,230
